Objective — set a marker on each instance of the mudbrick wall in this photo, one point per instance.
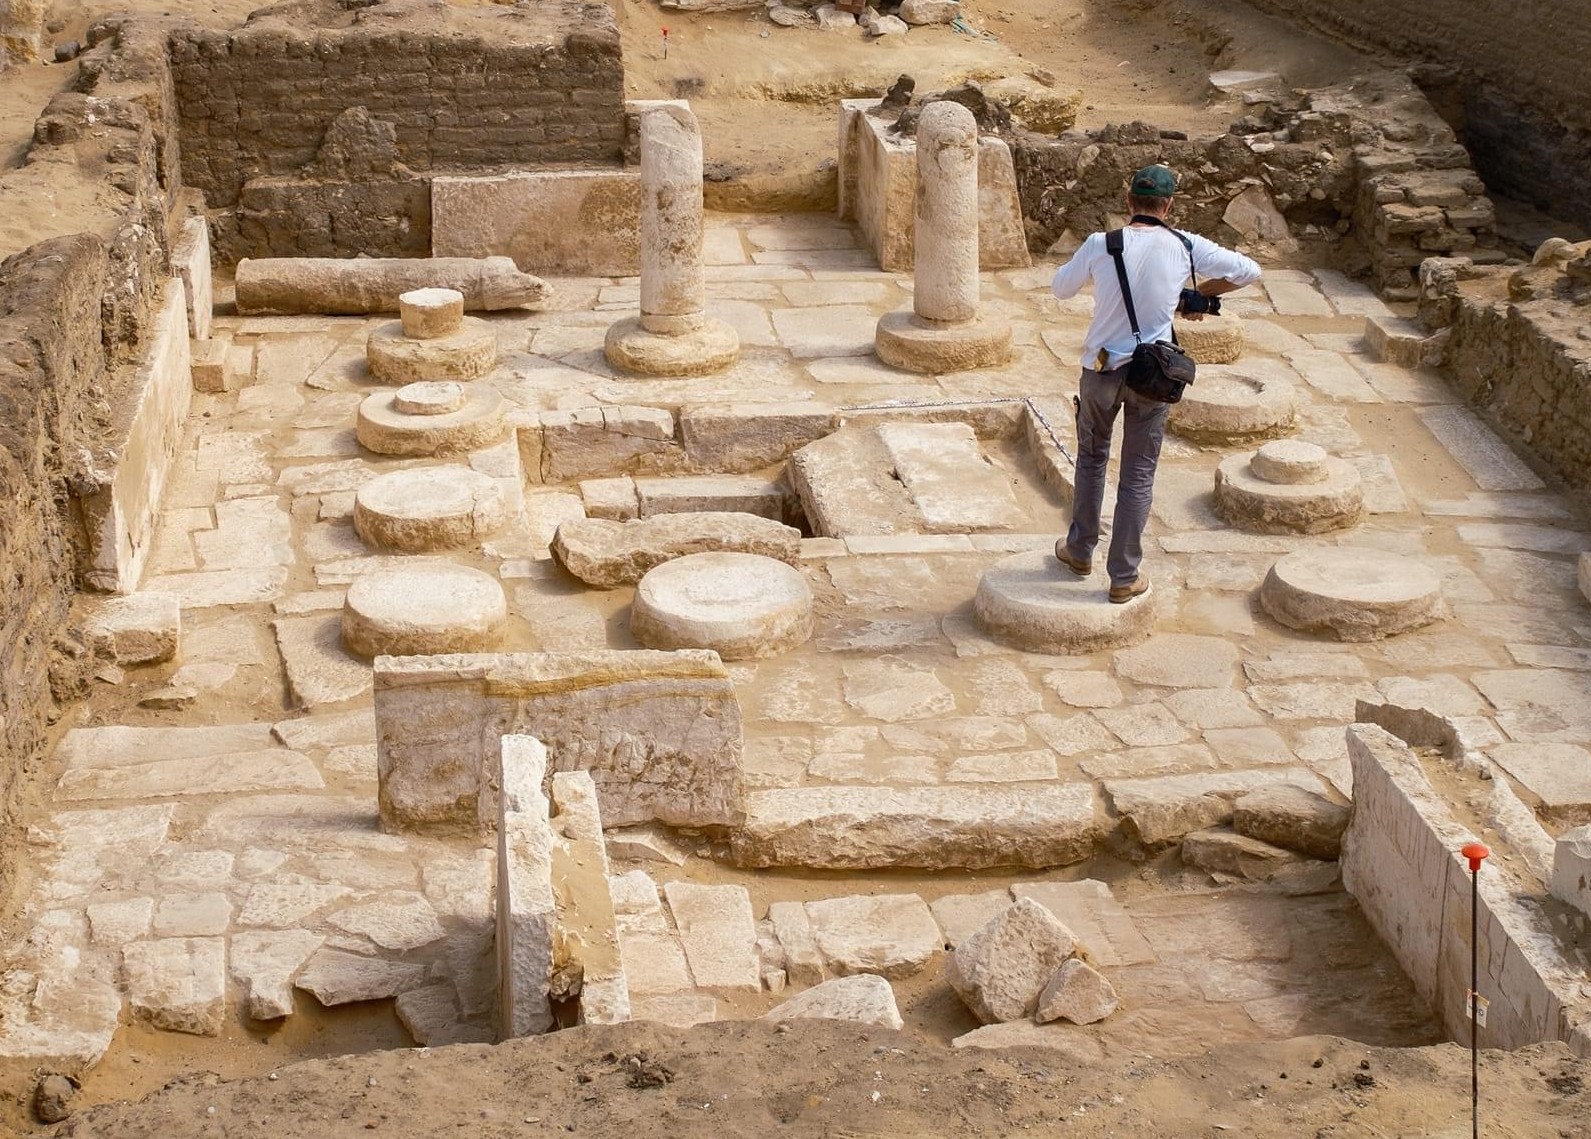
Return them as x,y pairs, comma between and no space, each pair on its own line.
1511,74
73,313
265,109
1366,174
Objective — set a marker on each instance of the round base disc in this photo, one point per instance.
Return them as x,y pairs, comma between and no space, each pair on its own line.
905,341
1032,602
713,347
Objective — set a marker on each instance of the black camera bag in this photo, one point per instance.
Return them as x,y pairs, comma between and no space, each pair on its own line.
1158,371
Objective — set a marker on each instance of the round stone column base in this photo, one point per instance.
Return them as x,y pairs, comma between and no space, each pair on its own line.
385,429
463,355
423,610
713,347
1030,601
742,606
905,340
1229,405
1354,594
1245,498
429,508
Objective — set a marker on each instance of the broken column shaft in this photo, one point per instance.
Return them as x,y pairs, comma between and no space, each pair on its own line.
944,333
673,336
355,285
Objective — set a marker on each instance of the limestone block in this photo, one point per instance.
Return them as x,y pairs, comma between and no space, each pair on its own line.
887,26
1000,971
610,554
423,509
1235,855
1029,601
962,915
1213,340
390,424
1556,776
190,259
394,358
524,893
920,12
705,494
1230,403
1396,340
402,920
358,285
803,962
114,924
1092,913
212,363
737,438
1292,818
611,499
423,609
742,606
1356,594
1078,993
1583,574
265,964
578,223
1162,808
593,441
951,482
892,935
139,628
427,314
854,828
178,984
643,844
1571,869
192,915
864,998
678,1010
844,483
659,732
1074,1046
337,977
586,959
718,933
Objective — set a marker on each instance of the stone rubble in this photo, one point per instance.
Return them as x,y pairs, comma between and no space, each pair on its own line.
865,998
1000,971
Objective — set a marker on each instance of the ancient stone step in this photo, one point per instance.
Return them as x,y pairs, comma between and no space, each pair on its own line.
742,606
857,828
1355,594
610,554
953,485
846,488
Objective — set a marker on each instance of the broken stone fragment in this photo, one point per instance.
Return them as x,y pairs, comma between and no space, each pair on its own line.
1223,852
337,977
1001,970
865,998
610,554
178,984
1292,818
265,963
1079,993
139,628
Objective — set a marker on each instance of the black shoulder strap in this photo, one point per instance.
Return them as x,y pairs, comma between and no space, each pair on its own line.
1114,244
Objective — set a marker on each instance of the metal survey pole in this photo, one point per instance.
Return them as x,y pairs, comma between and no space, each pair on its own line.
1476,853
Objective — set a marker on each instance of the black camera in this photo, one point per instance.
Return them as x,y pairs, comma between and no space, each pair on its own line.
1195,301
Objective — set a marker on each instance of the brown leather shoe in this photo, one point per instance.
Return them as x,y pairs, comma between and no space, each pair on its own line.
1121,594
1081,569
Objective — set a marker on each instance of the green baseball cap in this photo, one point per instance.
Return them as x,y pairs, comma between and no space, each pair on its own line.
1155,181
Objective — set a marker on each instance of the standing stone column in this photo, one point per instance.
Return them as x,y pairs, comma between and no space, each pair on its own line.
673,336
944,332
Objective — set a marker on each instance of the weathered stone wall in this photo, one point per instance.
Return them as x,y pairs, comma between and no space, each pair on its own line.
76,313
1513,71
1367,174
468,88
1514,348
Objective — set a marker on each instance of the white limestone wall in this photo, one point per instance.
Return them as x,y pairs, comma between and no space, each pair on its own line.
582,223
120,514
1401,861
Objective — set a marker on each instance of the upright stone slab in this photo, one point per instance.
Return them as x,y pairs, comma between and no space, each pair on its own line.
524,891
660,733
673,336
944,332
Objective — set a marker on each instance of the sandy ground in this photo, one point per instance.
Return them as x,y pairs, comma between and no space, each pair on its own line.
830,1079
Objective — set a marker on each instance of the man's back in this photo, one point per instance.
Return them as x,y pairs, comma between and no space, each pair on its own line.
1157,268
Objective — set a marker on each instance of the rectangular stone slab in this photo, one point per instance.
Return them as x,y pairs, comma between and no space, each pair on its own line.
579,223
660,733
933,828
953,485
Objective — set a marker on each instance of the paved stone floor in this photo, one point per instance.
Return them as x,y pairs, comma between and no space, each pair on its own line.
249,811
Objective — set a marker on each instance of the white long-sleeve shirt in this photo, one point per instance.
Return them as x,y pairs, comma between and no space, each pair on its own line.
1157,267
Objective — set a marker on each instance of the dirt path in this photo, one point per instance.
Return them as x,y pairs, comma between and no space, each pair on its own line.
835,1079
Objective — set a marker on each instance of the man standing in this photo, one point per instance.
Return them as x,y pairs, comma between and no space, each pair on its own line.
1157,264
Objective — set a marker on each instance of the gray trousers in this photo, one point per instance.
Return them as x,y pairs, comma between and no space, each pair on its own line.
1101,396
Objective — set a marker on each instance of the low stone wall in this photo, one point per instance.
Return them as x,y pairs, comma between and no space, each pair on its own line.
582,223
1401,862
660,733
1521,359
878,190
